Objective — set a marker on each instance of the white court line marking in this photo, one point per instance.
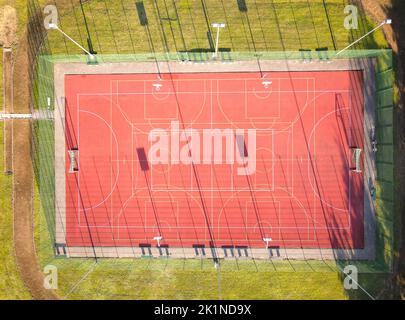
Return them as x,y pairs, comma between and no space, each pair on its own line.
118,171
312,187
273,120
190,194
246,92
78,161
263,172
313,105
194,79
177,100
291,197
117,227
231,241
197,201
255,93
120,213
154,227
214,92
261,132
255,78
211,166
111,167
159,173
258,224
158,95
314,151
350,173
291,123
145,106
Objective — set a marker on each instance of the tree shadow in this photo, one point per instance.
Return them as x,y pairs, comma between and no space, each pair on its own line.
396,11
380,281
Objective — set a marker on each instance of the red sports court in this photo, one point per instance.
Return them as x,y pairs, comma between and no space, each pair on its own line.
303,193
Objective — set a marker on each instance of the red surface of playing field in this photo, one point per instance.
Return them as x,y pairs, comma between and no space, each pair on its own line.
301,194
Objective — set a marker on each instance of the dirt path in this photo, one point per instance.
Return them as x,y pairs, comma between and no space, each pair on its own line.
23,186
8,106
23,182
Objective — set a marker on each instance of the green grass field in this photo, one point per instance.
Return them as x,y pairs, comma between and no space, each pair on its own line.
275,26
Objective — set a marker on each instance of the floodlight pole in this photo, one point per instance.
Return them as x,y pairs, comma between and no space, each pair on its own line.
218,26
388,21
55,27
89,42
